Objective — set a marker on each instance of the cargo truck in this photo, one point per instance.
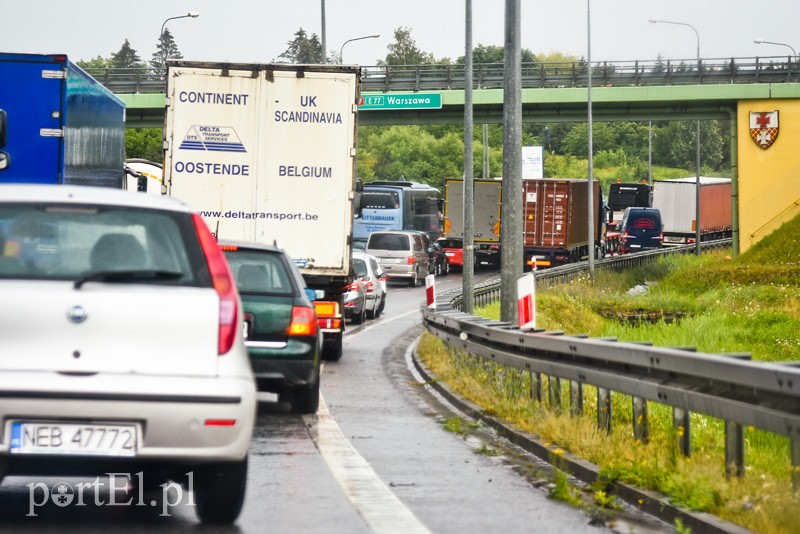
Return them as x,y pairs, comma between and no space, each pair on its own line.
58,125
676,200
487,203
266,153
555,221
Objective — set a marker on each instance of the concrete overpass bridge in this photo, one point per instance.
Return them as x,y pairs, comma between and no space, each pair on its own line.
743,90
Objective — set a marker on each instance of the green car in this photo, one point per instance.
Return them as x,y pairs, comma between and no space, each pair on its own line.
280,325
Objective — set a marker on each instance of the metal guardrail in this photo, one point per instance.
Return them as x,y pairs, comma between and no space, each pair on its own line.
386,78
730,387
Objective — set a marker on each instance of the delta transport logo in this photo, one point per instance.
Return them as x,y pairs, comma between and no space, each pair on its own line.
212,139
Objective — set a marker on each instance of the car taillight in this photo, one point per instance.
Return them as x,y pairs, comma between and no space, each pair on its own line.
410,260
223,283
369,287
304,322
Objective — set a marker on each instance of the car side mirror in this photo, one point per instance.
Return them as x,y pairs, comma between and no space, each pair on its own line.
311,294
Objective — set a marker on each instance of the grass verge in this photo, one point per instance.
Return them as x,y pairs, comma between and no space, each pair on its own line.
715,303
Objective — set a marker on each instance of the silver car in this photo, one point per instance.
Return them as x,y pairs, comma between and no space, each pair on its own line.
121,345
374,279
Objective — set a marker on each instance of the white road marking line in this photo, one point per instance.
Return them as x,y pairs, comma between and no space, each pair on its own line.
372,499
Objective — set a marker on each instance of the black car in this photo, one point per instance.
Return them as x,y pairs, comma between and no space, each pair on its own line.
280,324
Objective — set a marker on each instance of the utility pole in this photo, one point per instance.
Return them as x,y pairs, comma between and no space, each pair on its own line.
468,267
511,255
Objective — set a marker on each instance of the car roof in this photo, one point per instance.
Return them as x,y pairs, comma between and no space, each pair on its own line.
84,194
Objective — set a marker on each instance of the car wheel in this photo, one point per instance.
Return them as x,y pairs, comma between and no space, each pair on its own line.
219,491
383,304
371,313
305,399
359,318
446,269
413,281
377,312
333,351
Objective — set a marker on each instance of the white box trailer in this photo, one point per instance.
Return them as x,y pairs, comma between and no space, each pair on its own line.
265,153
487,203
677,199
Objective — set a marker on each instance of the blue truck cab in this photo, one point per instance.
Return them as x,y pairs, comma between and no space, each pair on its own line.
58,125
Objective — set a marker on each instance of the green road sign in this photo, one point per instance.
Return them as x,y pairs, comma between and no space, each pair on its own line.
401,101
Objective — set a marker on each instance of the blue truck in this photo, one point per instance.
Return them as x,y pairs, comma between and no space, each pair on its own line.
58,125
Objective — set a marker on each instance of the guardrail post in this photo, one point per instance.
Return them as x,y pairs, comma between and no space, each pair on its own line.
796,464
575,397
641,423
554,392
681,422
536,386
734,449
604,409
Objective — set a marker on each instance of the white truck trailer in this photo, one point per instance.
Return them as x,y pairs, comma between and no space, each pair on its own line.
487,202
266,153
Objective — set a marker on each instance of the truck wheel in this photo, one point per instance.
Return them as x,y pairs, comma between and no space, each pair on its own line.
219,491
333,351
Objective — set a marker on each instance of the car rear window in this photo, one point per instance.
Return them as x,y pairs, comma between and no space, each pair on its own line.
361,267
450,243
261,272
644,221
388,242
71,241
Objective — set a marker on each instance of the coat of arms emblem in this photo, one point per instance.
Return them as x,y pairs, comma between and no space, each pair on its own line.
764,127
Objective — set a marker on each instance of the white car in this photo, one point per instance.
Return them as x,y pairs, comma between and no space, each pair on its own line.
374,279
121,344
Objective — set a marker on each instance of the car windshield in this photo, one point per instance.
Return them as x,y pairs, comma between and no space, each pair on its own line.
260,272
96,242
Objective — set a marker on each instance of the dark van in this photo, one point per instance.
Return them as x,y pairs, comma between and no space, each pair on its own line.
640,229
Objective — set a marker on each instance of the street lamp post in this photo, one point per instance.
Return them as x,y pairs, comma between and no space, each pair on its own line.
761,40
355,39
164,51
697,181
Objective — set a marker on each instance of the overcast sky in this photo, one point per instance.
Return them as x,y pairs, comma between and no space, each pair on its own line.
259,30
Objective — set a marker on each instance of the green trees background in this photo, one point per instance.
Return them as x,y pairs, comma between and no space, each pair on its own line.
621,150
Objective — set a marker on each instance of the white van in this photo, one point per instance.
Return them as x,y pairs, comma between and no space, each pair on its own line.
401,254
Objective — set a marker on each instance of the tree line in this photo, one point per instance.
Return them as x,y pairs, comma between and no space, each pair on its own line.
621,150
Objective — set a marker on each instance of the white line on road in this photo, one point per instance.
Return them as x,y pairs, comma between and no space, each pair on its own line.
372,499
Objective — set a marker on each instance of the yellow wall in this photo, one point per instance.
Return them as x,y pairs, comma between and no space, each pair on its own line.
769,180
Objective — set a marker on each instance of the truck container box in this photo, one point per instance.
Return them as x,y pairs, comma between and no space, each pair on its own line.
676,199
487,203
61,125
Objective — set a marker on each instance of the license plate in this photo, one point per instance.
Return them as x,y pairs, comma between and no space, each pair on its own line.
392,260
671,239
449,254
73,438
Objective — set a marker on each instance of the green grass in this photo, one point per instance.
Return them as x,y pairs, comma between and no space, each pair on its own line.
746,304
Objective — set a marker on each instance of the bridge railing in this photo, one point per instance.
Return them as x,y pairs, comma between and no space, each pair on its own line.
730,387
439,77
